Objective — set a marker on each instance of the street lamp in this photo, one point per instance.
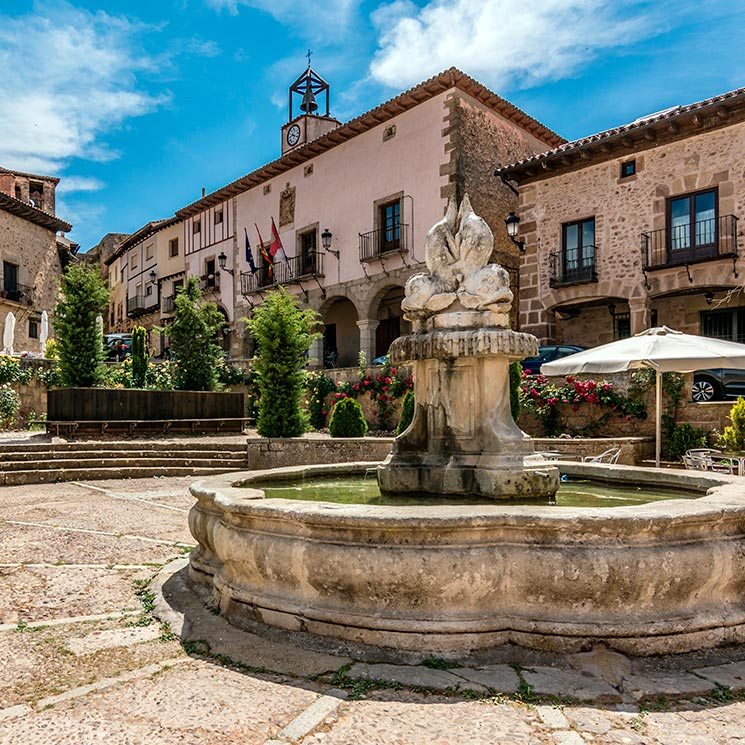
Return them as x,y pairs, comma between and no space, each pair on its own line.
513,225
222,260
326,237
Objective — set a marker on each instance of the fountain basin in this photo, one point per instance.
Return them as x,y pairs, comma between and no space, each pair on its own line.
663,577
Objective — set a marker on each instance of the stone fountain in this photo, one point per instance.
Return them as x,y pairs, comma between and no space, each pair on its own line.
463,439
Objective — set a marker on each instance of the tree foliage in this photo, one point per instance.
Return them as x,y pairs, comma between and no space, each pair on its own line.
283,333
407,412
139,357
194,332
83,297
733,437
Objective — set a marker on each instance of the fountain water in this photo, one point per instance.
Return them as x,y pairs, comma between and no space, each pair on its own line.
463,439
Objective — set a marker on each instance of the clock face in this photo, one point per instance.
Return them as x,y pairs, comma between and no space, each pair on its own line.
293,135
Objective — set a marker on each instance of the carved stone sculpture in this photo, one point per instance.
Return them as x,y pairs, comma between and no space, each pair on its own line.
463,439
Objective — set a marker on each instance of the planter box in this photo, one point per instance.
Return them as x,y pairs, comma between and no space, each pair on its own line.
110,409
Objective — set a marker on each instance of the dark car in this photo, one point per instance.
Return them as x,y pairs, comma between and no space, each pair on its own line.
117,346
532,365
718,384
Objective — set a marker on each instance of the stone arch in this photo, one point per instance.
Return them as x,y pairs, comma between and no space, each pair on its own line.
385,308
341,333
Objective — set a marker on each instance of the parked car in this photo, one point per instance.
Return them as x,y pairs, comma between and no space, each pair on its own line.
532,365
718,384
117,346
382,360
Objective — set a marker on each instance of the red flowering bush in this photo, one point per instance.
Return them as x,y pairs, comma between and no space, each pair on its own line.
545,400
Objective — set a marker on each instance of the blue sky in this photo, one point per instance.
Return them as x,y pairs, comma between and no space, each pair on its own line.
138,105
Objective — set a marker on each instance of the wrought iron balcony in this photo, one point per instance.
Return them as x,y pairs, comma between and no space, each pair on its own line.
295,269
138,305
209,282
168,304
384,241
568,268
16,293
687,244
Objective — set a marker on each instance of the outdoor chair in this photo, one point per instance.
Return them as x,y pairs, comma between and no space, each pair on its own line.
695,462
610,455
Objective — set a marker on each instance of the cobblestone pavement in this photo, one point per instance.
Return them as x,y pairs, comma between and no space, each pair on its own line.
85,567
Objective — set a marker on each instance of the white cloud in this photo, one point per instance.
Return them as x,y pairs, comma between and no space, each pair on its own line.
500,42
71,184
314,19
67,77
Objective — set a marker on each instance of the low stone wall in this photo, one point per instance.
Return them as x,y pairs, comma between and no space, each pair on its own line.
33,395
634,450
280,452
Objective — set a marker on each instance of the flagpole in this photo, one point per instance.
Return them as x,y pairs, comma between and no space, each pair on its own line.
658,417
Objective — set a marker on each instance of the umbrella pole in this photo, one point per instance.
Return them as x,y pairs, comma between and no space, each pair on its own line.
658,417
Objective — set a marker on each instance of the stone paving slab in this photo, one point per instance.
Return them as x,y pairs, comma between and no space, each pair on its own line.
412,676
499,678
554,682
126,637
731,675
32,544
49,592
657,685
720,726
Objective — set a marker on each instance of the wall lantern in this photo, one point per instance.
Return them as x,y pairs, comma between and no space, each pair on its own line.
153,276
326,237
513,226
222,261
709,297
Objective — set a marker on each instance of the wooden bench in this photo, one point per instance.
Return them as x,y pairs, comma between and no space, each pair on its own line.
71,428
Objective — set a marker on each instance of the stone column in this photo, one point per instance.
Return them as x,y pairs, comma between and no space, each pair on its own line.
367,337
639,312
315,353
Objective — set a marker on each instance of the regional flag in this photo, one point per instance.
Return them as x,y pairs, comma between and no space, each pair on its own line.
275,247
265,252
249,254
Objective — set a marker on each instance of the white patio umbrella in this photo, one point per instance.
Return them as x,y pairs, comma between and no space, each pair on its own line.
9,331
661,349
44,332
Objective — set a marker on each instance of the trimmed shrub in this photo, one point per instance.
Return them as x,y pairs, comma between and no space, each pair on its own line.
683,438
318,387
407,412
347,419
9,406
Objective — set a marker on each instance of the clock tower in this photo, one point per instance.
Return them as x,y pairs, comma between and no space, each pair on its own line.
308,124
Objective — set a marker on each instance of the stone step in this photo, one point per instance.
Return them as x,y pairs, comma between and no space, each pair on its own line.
139,445
19,478
85,455
158,460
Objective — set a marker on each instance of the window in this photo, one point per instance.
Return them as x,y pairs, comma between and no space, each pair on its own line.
18,192
196,226
209,270
578,250
218,217
149,290
628,168
724,324
173,247
121,279
134,261
692,225
308,243
10,277
621,325
149,252
33,328
390,226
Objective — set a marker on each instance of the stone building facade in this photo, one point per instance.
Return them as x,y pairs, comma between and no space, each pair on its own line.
32,254
351,204
638,226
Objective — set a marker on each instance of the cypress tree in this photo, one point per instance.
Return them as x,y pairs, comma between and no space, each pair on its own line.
139,357
283,334
83,297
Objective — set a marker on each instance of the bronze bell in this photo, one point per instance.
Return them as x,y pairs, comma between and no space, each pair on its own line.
309,104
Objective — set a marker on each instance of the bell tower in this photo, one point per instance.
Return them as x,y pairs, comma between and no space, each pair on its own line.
308,124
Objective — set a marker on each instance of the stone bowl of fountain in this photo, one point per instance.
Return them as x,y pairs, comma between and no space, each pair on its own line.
448,579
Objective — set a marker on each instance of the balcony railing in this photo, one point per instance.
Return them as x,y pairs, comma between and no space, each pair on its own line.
209,283
383,241
715,238
16,293
138,305
168,304
295,269
571,269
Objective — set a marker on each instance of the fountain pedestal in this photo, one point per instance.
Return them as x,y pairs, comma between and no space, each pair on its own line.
462,439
